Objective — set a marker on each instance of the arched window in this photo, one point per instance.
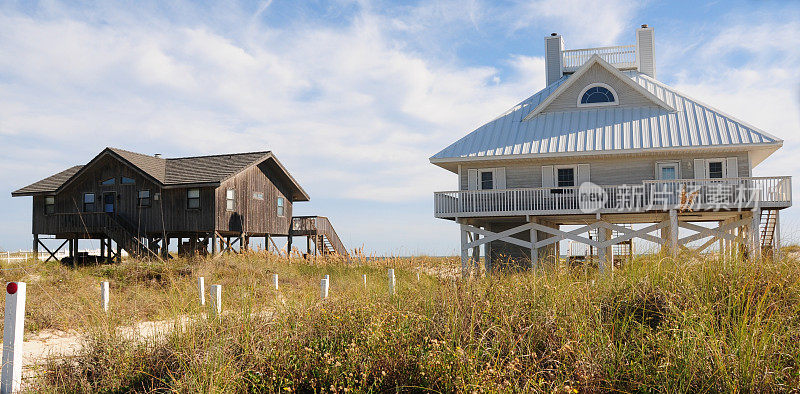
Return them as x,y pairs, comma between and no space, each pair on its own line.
597,94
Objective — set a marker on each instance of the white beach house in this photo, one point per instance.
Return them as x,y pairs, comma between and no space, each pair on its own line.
607,147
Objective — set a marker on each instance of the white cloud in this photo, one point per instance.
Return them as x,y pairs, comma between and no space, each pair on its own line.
581,23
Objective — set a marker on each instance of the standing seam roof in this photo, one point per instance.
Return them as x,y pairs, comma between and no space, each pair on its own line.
692,124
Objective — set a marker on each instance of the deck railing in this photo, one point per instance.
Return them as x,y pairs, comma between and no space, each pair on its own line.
622,57
319,225
681,194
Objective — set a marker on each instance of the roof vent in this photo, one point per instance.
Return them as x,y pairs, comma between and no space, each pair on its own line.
644,26
553,34
158,155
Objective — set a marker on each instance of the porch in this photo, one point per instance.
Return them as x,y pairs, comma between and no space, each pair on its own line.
695,195
527,222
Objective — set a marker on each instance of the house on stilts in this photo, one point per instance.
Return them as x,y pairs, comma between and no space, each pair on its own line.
207,204
608,148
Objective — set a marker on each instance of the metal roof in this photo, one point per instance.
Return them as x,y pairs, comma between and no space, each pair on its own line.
176,171
606,130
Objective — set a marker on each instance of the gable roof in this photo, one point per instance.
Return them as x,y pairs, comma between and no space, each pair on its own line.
599,62
48,184
688,125
175,172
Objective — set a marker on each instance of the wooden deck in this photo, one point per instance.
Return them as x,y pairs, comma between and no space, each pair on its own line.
697,195
320,231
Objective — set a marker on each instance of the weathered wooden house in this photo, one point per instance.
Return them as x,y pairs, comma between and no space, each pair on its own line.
608,148
141,202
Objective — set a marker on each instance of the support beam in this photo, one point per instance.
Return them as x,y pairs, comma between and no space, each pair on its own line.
602,253
534,250
673,232
214,243
776,236
53,254
476,254
755,234
464,248
119,253
36,246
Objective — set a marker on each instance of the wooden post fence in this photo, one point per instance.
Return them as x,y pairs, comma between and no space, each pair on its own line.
104,296
216,301
11,374
201,289
391,281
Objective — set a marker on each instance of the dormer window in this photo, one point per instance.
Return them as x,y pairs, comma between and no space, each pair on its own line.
597,94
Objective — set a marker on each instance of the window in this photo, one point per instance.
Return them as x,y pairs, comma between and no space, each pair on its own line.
144,198
667,171
88,202
280,206
565,177
230,199
258,196
487,180
715,169
597,94
108,202
49,204
108,182
128,181
193,198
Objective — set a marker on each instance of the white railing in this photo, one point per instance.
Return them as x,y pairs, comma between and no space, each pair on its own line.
25,255
622,57
682,194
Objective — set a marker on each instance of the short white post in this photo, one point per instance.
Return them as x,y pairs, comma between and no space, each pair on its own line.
216,300
323,288
104,296
275,281
201,289
365,280
11,375
417,276
391,281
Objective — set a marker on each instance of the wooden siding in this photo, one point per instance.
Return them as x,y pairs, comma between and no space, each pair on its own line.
167,214
626,95
608,171
251,215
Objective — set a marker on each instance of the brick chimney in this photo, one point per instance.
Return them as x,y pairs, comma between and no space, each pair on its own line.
553,45
645,51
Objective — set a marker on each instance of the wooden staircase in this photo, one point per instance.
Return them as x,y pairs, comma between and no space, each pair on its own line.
122,232
767,228
321,231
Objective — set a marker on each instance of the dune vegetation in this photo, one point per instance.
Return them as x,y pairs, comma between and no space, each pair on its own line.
691,324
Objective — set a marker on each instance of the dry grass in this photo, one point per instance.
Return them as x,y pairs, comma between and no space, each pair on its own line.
694,324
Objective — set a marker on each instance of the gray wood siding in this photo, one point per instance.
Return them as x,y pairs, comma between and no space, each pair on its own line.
251,215
627,96
609,171
167,214
170,212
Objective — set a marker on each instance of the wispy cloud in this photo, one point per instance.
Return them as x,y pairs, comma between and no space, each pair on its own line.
353,96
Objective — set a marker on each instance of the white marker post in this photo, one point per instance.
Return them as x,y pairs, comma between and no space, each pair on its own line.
417,276
104,296
275,281
216,300
11,374
365,280
201,289
323,288
391,281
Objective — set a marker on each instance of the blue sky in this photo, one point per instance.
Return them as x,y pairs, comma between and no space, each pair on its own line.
352,96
